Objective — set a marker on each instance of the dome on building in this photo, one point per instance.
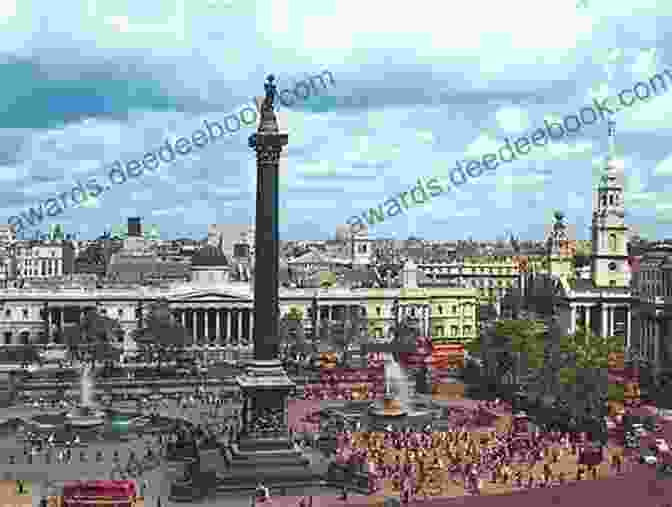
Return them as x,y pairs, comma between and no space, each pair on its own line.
209,255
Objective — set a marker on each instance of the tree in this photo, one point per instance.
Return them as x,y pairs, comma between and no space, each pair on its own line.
584,368
327,279
292,332
159,333
344,334
515,347
93,336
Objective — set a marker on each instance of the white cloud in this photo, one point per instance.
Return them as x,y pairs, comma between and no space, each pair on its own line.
425,136
7,10
481,145
645,64
513,119
336,32
119,23
174,211
664,168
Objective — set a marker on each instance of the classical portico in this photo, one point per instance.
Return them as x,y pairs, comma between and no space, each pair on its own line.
215,324
602,318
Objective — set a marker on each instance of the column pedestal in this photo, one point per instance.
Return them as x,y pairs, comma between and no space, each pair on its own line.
259,454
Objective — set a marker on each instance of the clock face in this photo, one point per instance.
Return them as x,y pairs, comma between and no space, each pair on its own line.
612,266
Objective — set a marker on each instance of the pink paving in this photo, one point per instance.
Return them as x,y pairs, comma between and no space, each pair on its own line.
297,410
640,488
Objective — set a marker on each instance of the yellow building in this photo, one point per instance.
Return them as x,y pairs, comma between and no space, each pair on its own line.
446,314
491,277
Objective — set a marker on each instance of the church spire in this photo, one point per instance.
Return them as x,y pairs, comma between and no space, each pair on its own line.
612,139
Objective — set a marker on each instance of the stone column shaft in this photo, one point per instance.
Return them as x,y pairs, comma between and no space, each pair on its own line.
50,319
586,310
206,322
251,321
572,320
218,325
612,313
628,326
194,322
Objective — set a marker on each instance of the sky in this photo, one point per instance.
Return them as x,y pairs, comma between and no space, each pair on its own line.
417,86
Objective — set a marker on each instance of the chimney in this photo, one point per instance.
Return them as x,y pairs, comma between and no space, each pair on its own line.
134,227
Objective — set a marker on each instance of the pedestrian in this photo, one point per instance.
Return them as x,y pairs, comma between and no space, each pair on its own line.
562,479
344,494
617,462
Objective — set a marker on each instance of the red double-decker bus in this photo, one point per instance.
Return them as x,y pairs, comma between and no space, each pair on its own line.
121,493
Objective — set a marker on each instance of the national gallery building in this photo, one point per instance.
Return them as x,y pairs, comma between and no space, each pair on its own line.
218,312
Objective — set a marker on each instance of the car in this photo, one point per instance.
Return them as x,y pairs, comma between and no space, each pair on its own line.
662,445
648,456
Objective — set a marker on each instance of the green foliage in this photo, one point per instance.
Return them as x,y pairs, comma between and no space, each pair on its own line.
295,313
587,350
568,376
583,373
616,392
474,347
327,279
160,332
524,337
518,347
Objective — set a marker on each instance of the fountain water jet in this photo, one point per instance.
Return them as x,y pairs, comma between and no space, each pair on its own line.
86,387
85,415
395,401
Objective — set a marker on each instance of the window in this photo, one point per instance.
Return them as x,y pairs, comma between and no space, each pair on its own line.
8,313
454,309
604,200
611,199
440,309
378,311
120,312
613,242
453,330
25,313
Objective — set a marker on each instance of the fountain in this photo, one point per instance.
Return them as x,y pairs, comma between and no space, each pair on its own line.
85,415
395,400
397,409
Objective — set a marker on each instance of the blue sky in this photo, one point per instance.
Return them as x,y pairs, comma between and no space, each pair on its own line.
418,86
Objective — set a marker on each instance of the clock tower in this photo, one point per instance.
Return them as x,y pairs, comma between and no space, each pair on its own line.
609,232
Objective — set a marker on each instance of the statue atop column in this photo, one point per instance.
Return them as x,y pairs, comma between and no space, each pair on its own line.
270,92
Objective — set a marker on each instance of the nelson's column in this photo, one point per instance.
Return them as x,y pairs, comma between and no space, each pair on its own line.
264,450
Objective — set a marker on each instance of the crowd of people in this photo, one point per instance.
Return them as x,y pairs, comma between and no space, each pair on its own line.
422,462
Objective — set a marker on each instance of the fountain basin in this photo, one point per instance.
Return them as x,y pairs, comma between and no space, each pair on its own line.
85,417
389,408
92,423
